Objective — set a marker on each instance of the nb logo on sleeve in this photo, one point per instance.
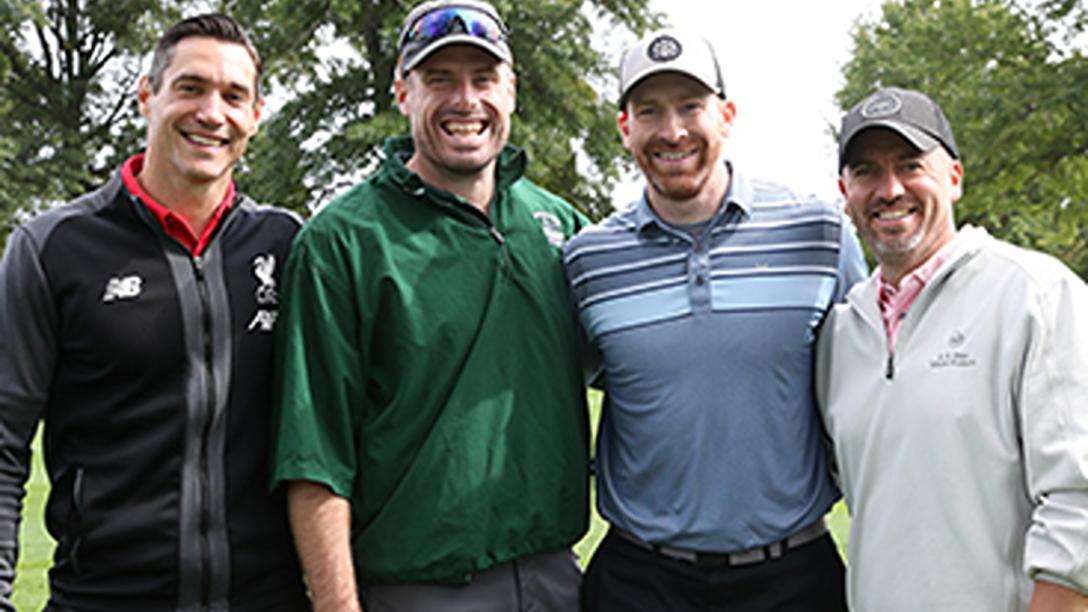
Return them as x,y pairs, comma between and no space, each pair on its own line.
122,288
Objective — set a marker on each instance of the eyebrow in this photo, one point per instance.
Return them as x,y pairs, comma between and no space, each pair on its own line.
190,77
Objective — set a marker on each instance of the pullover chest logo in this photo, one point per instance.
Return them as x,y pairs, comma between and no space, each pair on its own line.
956,356
264,268
122,288
552,228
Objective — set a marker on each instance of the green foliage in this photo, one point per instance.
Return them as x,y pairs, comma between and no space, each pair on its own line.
68,73
1011,81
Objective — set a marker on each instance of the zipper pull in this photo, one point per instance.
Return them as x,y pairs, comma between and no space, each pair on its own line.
496,235
889,369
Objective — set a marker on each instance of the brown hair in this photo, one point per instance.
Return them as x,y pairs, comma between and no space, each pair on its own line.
213,25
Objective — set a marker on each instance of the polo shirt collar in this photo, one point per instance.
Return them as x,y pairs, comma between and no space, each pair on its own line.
741,194
172,223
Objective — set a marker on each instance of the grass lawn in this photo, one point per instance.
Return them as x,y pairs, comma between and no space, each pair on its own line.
36,547
36,552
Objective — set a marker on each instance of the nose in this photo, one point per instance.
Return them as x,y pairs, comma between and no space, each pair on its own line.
673,127
210,109
465,94
890,187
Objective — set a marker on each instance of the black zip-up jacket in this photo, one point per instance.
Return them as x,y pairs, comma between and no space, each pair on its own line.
152,372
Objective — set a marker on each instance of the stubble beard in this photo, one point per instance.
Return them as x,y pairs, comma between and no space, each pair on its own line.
898,250
454,165
678,187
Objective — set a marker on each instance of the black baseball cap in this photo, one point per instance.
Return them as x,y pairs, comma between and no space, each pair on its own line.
911,114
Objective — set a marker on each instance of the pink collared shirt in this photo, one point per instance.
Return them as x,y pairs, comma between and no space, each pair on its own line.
895,302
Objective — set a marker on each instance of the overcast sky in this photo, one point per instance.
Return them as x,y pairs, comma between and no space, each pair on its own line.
782,61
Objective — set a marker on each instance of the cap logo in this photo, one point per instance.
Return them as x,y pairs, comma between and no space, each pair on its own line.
881,106
664,49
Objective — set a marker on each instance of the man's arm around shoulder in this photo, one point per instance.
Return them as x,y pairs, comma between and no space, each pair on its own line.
321,524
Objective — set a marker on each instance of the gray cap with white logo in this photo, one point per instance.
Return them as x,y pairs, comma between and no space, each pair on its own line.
670,51
911,114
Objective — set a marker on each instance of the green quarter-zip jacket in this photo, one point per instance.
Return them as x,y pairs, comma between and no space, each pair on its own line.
429,373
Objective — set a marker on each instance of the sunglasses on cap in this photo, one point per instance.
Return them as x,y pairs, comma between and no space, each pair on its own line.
443,22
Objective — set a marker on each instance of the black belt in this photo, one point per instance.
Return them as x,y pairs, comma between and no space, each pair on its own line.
751,556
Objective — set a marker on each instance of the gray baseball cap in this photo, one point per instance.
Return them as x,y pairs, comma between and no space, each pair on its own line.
440,23
670,50
911,114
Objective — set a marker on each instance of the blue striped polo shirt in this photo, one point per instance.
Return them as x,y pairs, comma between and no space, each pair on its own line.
709,438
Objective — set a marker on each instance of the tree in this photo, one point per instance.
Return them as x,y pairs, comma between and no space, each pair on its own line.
7,147
1073,11
66,73
68,70
1011,81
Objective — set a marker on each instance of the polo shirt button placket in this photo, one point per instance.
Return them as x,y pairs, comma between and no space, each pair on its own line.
699,277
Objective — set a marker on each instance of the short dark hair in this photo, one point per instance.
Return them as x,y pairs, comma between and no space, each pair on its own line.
213,25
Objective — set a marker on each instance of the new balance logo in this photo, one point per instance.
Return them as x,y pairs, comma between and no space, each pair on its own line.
122,288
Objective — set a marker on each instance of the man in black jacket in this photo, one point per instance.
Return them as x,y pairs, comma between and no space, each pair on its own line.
137,323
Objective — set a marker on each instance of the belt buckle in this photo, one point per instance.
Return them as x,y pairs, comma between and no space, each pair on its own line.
703,559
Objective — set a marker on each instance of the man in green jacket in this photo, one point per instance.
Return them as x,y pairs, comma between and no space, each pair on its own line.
433,435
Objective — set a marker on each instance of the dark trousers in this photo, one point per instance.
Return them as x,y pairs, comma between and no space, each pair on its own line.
623,577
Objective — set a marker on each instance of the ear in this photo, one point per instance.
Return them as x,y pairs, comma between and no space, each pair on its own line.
143,95
624,126
842,189
729,113
258,108
955,180
400,91
513,84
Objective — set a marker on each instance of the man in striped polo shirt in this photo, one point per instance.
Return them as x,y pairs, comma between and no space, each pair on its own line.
701,302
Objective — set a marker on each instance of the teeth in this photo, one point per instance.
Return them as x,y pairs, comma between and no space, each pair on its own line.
891,215
464,129
197,138
674,156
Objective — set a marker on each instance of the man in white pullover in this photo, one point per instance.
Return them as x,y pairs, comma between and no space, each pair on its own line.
954,385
